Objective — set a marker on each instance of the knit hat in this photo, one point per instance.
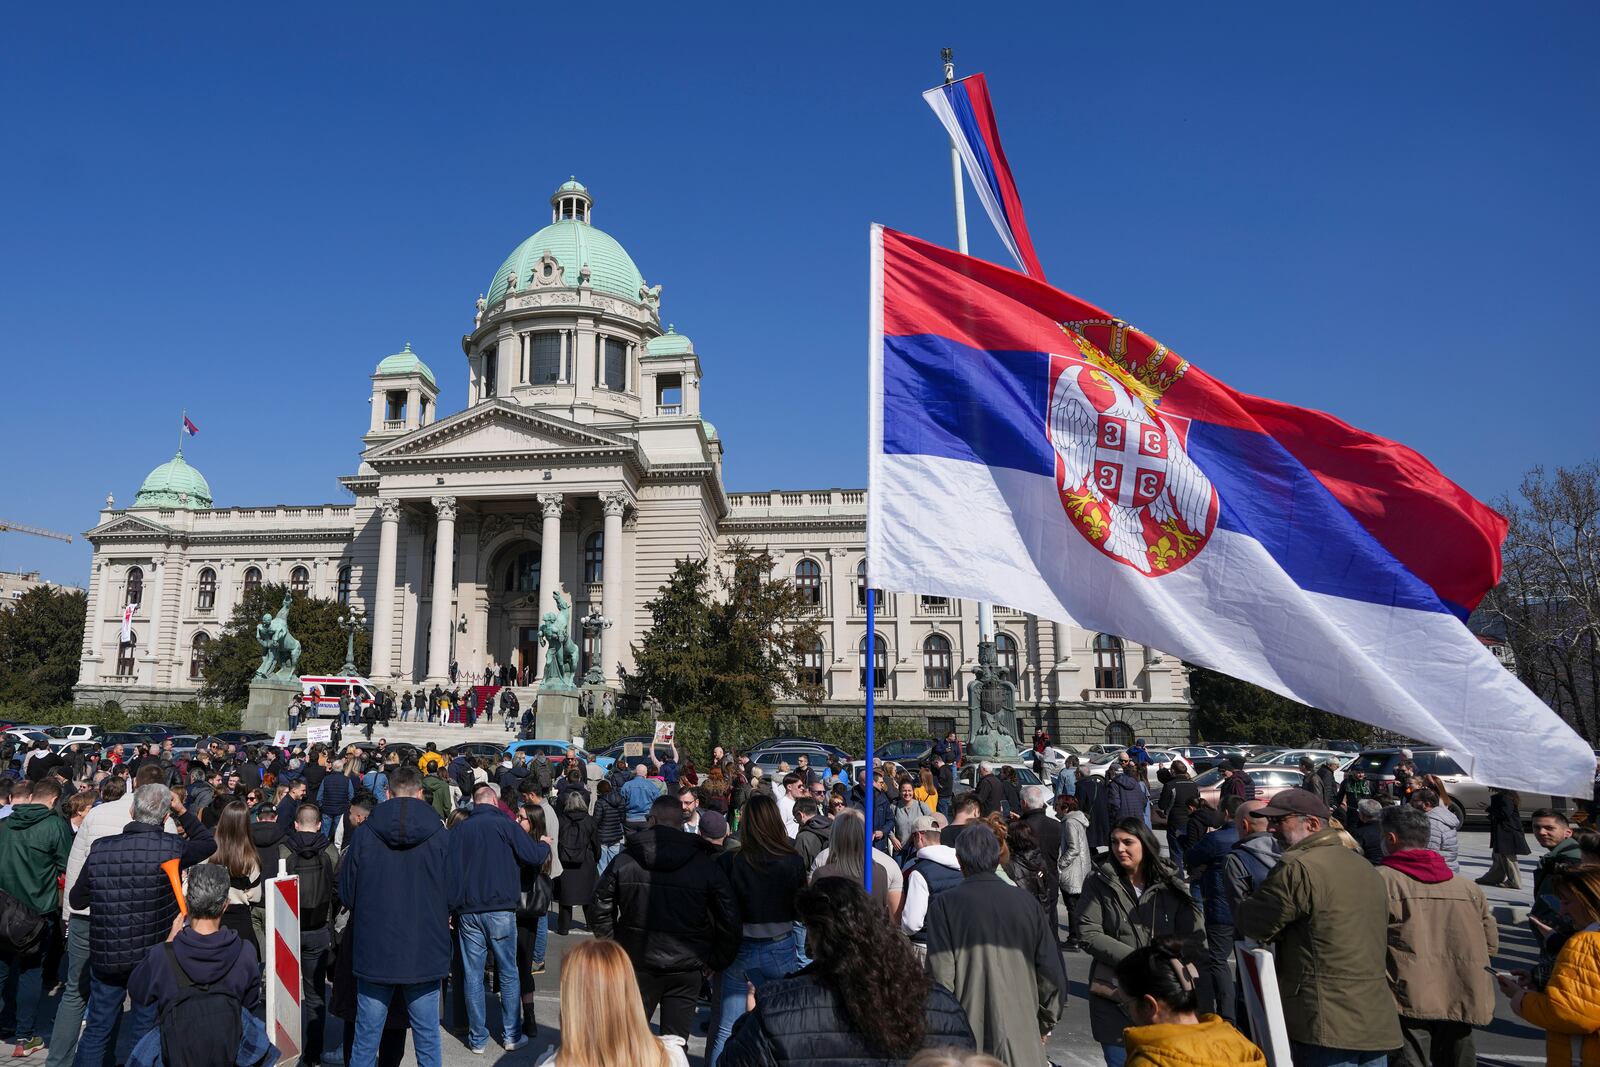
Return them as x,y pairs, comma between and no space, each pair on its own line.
713,824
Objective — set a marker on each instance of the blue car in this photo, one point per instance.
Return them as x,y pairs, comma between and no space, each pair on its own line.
557,750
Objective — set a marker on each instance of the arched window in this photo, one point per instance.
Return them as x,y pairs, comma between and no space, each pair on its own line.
594,557
1119,733
808,578
811,663
523,574
125,667
300,581
1005,653
205,597
880,662
252,580
133,592
342,589
861,589
1108,663
197,654
936,662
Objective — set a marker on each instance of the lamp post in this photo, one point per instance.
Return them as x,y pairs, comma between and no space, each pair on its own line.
594,624
351,624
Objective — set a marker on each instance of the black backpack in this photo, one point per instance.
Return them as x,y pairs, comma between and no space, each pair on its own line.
316,888
200,1026
20,926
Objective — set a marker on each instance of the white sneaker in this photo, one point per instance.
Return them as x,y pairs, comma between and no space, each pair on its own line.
520,1042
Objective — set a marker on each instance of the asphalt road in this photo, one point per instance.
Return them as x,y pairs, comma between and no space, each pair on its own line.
1505,1042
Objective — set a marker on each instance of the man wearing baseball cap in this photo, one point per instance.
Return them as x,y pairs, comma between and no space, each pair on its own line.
934,870
1325,910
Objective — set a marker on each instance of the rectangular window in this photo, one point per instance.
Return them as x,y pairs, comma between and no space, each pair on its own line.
394,406
616,365
491,372
939,726
669,394
546,358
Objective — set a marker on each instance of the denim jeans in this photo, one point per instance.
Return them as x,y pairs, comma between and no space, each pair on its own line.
103,1019
541,937
74,994
1116,1055
482,933
756,963
372,1008
1318,1056
22,984
607,854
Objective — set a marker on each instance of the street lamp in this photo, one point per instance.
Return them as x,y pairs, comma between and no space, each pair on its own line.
594,624
352,624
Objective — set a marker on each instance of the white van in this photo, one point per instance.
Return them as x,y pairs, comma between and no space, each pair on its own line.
322,693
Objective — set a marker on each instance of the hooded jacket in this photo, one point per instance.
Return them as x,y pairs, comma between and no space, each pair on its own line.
35,844
307,845
1114,923
1567,853
1125,798
220,959
1442,827
1073,865
397,879
666,902
1441,938
1211,1041
933,871
485,852
1249,862
814,835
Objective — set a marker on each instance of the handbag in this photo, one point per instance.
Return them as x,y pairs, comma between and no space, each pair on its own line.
537,897
21,928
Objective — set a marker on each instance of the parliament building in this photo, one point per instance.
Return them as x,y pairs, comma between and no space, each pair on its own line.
580,459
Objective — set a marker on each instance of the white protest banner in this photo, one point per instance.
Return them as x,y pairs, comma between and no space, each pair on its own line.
664,732
319,734
282,739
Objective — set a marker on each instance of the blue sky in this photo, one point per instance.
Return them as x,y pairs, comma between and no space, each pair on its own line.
1385,211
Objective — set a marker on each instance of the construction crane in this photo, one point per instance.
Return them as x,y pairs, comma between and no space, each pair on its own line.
18,527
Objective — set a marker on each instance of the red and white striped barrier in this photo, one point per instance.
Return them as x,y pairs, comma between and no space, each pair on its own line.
283,967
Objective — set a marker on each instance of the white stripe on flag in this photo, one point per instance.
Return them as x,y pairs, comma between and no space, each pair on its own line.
940,103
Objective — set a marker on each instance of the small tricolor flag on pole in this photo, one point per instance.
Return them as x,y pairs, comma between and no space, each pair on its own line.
189,426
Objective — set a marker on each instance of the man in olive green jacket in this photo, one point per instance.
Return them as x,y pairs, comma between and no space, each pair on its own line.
1325,911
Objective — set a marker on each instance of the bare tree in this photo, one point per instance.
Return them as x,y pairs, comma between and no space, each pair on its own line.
1548,599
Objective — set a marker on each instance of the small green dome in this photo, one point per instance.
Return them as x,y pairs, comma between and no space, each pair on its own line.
711,431
671,343
572,185
405,361
174,484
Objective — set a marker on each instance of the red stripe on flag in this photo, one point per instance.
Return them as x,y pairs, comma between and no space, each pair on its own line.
977,87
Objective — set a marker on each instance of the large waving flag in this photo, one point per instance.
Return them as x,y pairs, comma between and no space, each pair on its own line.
963,107
1029,449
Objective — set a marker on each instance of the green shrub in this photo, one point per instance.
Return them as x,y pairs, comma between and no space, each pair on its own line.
192,717
695,736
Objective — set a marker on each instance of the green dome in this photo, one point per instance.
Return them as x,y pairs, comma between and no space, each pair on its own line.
572,185
573,244
711,431
671,343
405,361
174,484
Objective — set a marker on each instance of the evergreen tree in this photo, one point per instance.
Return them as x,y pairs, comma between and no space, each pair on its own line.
1227,709
233,658
41,641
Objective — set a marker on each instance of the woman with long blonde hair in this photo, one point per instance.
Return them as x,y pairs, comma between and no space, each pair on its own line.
602,1015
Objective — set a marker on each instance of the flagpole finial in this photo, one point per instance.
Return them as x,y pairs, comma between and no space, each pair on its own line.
948,57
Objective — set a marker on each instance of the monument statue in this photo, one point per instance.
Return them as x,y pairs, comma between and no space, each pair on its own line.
561,656
992,703
280,651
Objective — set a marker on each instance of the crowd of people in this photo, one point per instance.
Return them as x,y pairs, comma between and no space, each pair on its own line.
138,887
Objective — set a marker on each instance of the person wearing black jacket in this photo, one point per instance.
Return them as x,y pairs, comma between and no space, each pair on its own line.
944,783
578,848
1047,833
610,812
1173,803
668,904
990,790
816,830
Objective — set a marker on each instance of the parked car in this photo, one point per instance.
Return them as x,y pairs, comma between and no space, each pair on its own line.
769,760
1291,757
912,750
1338,745
62,736
241,737
1470,798
475,749
616,749
797,742
1102,750
556,750
25,736
123,737
1201,757
158,731
967,777
1270,779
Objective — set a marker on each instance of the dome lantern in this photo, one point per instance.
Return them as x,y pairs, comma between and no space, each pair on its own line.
571,201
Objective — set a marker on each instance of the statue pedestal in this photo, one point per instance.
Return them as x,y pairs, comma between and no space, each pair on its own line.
268,708
555,714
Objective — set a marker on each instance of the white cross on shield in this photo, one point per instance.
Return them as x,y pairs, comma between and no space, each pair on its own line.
1130,460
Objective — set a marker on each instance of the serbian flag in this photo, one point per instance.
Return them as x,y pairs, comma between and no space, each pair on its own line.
1032,450
963,107
190,426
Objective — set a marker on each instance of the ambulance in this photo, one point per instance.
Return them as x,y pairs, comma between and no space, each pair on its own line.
322,692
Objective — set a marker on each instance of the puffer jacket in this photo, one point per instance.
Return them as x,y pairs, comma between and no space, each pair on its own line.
1125,798
1114,924
1074,862
129,899
1212,1040
608,817
666,902
801,1019
1442,827
1441,939
1568,1009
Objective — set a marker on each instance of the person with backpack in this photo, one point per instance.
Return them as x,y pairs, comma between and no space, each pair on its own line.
35,843
314,859
202,986
333,797
376,782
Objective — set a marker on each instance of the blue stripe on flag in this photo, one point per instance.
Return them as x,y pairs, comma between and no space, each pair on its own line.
942,398
961,106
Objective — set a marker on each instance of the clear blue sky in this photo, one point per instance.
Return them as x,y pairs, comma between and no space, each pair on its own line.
1386,211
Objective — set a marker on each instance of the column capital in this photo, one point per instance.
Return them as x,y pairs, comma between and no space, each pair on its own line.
390,508
446,507
615,502
550,504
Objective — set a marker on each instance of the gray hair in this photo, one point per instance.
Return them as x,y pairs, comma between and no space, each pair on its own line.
977,849
151,803
1369,809
986,767
205,888
574,801
1034,797
1409,825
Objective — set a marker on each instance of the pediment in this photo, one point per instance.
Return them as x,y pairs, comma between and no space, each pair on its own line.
129,526
497,429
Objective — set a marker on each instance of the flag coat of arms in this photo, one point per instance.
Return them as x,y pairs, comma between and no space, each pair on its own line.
1030,449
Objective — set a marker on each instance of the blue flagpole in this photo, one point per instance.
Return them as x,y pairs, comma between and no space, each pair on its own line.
872,687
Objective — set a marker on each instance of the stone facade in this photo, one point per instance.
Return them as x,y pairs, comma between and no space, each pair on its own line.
580,461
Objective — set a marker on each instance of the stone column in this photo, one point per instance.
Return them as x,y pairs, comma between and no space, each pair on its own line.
383,595
611,575
549,558
413,402
444,560
153,583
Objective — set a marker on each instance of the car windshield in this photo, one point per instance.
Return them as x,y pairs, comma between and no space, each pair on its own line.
1208,778
1372,762
59,731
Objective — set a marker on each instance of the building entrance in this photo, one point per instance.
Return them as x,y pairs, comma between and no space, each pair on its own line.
527,653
